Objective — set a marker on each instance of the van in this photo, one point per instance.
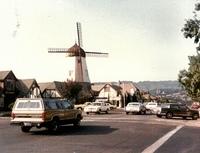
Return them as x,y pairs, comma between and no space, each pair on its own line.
48,113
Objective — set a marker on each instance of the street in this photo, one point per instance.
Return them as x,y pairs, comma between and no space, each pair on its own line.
115,132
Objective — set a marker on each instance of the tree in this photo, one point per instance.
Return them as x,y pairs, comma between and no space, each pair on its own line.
190,79
191,28
72,90
77,92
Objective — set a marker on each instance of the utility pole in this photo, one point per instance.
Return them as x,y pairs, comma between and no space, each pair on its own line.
124,99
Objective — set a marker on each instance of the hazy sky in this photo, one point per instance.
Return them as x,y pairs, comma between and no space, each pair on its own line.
143,38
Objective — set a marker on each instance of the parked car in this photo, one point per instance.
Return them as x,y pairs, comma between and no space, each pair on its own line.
177,110
97,107
111,106
152,107
49,113
196,106
135,107
82,106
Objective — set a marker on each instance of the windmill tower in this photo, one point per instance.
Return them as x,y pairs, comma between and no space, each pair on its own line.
80,71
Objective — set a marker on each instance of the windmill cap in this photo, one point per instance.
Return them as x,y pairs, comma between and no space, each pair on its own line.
76,50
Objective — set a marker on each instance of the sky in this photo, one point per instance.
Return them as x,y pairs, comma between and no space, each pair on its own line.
143,38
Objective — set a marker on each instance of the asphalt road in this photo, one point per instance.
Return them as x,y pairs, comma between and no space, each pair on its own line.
112,133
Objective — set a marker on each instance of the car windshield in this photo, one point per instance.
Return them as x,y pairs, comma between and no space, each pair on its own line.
133,104
96,104
151,104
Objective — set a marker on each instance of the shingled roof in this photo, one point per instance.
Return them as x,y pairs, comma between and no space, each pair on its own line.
127,86
4,74
55,85
25,85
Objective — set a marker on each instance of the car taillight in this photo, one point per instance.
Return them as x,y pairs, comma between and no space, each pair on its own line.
13,115
43,115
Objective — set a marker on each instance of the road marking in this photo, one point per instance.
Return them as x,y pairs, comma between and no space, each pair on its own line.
161,141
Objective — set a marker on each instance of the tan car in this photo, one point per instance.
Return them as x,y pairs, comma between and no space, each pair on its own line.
49,113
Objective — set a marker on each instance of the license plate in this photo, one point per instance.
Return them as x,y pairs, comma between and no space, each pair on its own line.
27,124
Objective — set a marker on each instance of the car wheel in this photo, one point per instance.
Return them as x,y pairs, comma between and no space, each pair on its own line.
54,126
77,123
87,113
184,117
169,115
127,113
144,112
159,116
79,108
195,116
98,112
25,129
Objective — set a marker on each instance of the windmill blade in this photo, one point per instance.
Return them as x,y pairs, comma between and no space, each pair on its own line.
96,54
79,33
57,50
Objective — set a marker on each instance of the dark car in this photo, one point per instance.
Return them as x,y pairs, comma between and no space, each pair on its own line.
177,110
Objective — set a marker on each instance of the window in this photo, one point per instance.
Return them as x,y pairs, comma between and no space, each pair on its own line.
28,104
183,107
174,107
10,85
51,105
66,104
59,104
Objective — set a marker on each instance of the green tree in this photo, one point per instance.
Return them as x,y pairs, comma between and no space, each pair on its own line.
191,28
78,92
72,90
190,79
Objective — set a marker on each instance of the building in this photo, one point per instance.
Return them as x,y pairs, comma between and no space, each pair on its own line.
118,93
28,88
8,91
52,89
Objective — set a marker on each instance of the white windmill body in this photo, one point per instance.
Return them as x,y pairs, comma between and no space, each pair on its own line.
79,73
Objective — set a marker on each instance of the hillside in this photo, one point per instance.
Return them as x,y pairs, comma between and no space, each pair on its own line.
153,85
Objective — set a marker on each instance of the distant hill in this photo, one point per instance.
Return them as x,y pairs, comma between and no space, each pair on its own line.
154,85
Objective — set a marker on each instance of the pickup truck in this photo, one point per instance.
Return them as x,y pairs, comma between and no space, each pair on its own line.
177,110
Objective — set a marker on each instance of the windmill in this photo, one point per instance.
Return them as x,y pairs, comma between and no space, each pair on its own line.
80,71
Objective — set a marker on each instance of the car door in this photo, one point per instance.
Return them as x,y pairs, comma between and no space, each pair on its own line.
68,109
184,110
175,109
60,111
104,106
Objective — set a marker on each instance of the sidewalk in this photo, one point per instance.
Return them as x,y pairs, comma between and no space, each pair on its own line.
5,113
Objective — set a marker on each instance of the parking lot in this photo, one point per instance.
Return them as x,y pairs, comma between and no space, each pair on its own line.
114,132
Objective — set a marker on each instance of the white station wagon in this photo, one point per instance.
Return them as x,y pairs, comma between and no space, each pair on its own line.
49,113
97,107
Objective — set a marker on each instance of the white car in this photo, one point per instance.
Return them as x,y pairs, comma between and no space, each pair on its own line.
111,106
97,107
135,107
152,107
81,106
